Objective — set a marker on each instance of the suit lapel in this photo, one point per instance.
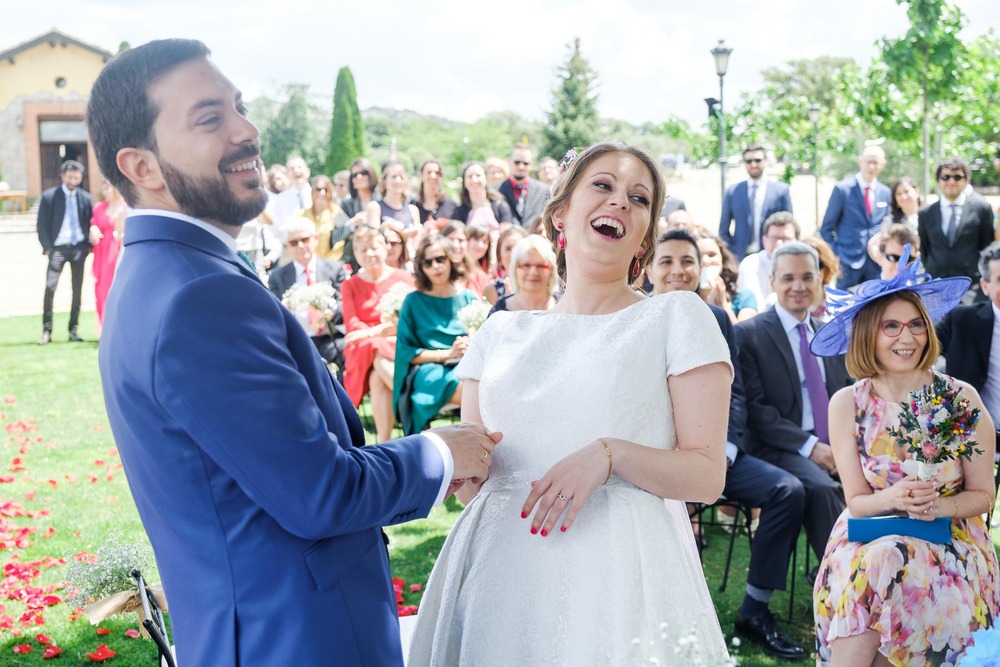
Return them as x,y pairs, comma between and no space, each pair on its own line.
779,341
858,195
983,333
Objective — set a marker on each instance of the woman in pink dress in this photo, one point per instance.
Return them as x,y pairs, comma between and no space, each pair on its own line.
107,225
370,343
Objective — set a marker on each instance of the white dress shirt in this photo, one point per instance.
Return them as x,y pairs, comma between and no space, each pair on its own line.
946,210
790,324
65,236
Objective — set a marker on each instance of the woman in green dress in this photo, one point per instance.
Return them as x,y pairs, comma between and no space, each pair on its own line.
430,340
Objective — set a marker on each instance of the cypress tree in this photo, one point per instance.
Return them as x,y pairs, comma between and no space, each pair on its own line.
347,131
573,119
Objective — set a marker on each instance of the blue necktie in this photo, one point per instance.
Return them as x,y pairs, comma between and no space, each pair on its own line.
75,235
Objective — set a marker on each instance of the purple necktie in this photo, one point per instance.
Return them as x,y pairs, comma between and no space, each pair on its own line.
817,389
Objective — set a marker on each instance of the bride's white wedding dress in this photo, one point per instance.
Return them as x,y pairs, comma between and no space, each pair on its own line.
622,586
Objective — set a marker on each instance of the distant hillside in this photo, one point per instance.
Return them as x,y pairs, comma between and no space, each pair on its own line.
403,115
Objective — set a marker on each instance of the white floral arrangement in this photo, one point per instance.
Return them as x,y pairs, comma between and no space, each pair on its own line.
473,314
392,300
320,296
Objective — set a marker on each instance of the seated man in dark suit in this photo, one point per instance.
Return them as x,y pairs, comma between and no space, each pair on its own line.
955,229
970,335
676,266
788,389
308,269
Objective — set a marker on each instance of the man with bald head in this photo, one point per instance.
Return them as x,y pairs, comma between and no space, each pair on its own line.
854,215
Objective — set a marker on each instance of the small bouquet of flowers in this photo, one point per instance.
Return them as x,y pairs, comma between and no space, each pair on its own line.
392,301
473,314
937,425
318,299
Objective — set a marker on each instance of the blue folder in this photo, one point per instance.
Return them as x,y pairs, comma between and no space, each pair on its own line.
871,528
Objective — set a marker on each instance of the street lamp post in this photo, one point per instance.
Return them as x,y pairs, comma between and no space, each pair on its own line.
814,117
721,54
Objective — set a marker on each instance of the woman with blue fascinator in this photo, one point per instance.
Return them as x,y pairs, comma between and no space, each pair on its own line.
896,599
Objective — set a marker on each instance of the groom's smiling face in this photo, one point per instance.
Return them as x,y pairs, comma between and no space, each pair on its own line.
206,149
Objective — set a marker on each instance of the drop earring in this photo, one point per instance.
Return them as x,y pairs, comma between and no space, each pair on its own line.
561,241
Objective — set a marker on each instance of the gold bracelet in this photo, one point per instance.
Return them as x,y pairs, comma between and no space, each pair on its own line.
608,452
989,503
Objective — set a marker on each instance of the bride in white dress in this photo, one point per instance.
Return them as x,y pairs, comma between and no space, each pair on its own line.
613,407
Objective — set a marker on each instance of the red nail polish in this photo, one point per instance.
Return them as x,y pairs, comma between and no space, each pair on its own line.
524,515
533,530
545,533
563,529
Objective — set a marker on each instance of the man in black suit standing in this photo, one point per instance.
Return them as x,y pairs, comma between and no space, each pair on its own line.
326,329
970,335
788,389
780,496
525,195
955,229
64,231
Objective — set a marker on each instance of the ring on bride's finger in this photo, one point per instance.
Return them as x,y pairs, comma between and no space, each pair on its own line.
909,494
485,454
562,498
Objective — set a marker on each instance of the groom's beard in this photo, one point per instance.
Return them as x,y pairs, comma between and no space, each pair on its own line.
208,198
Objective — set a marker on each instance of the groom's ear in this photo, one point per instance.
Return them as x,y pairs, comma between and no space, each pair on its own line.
142,168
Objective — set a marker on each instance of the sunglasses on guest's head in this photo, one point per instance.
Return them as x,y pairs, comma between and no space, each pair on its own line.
753,160
895,258
951,177
893,328
428,262
302,241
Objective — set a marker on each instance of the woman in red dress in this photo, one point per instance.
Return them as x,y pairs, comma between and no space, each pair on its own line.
370,343
107,225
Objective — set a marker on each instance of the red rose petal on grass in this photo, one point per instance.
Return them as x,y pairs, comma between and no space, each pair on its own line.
99,427
113,451
415,587
132,633
9,400
51,652
50,600
104,631
93,477
101,654
100,462
42,639
407,610
54,484
29,495
6,479
22,648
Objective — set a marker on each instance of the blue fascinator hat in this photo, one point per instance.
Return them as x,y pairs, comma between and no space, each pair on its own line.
939,295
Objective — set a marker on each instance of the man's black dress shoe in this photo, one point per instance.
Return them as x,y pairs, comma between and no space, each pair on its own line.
46,338
763,629
74,337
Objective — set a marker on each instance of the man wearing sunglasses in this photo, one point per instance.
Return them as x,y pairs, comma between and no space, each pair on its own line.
854,215
525,195
956,228
749,203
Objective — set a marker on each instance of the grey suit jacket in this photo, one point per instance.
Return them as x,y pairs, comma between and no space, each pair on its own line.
538,194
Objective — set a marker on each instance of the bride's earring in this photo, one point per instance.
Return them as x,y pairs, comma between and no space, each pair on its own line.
637,267
561,240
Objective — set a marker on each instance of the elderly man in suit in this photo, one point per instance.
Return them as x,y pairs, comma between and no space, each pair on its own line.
956,228
970,335
854,215
788,389
676,266
525,195
243,454
64,214
748,204
306,268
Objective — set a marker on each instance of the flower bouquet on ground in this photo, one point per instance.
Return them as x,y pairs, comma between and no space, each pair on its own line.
473,314
318,299
937,425
391,302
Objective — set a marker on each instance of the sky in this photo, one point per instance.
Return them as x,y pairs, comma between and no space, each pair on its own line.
462,59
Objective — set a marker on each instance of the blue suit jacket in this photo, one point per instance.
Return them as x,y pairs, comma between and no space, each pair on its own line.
736,206
242,455
846,225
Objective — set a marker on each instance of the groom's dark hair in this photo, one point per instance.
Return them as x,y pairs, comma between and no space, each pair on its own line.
120,113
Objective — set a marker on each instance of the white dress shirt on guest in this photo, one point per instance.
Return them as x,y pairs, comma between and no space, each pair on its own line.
755,277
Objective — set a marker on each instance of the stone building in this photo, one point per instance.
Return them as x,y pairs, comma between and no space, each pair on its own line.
44,86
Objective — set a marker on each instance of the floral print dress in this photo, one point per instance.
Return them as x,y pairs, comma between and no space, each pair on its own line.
925,599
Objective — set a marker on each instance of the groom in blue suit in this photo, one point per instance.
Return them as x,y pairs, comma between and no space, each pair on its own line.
749,203
244,457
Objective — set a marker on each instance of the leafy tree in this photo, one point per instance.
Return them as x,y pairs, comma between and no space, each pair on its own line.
573,119
293,130
926,65
347,132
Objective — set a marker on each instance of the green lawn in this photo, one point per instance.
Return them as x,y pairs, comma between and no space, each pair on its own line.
68,491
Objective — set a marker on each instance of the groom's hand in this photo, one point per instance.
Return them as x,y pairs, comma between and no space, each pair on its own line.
471,447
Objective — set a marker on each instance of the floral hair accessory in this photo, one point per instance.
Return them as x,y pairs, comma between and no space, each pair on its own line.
571,155
939,295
